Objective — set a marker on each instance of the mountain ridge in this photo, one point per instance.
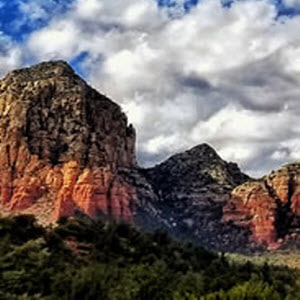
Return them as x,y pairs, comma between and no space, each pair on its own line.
67,149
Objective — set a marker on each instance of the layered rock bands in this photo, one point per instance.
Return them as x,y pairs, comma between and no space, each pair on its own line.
61,146
270,207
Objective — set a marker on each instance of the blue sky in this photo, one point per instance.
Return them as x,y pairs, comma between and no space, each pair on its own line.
222,72
18,23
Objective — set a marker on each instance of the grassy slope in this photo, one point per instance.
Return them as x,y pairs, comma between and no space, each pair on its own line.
289,259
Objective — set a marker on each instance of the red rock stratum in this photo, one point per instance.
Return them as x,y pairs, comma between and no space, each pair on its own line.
61,144
270,207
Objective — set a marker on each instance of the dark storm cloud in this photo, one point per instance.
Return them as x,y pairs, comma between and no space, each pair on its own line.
195,82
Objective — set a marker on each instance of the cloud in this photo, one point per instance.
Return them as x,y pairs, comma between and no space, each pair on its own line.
223,74
291,3
10,55
34,10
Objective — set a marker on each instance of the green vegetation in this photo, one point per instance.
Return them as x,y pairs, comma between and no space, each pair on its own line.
85,259
290,259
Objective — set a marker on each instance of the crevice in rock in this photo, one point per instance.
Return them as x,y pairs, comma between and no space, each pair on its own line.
56,152
108,197
283,215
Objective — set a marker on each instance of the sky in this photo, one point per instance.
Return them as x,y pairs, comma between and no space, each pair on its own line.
225,72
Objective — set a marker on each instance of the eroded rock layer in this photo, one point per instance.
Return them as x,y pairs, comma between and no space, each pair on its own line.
61,145
269,207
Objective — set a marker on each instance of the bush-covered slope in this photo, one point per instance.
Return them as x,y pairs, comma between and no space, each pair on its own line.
88,259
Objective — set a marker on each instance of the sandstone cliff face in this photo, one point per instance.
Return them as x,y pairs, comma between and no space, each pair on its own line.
269,207
61,146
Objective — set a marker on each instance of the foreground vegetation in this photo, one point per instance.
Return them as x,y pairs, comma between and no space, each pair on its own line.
86,259
290,259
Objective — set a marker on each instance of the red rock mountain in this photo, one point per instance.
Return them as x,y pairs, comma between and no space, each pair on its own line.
61,144
269,207
65,148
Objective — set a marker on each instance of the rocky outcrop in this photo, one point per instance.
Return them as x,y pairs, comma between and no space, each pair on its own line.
61,146
269,207
190,190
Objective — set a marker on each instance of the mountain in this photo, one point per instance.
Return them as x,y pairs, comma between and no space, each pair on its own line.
191,190
66,149
61,143
269,207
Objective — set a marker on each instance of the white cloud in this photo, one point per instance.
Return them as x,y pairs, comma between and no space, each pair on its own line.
291,3
228,76
34,10
10,55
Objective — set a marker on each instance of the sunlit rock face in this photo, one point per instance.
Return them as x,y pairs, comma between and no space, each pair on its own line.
270,207
61,146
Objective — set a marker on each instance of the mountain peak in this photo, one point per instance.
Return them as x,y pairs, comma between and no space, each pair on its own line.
192,187
196,157
61,144
200,165
203,151
48,69
60,116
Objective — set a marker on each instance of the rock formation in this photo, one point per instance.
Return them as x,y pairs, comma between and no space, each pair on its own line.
269,207
66,149
61,146
191,189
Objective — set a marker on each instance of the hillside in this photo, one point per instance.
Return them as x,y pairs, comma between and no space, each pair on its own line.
87,259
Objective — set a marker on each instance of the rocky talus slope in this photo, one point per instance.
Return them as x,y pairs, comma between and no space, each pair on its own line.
61,145
269,207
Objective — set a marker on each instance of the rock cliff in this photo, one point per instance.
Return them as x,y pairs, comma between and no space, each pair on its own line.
66,149
61,145
269,207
